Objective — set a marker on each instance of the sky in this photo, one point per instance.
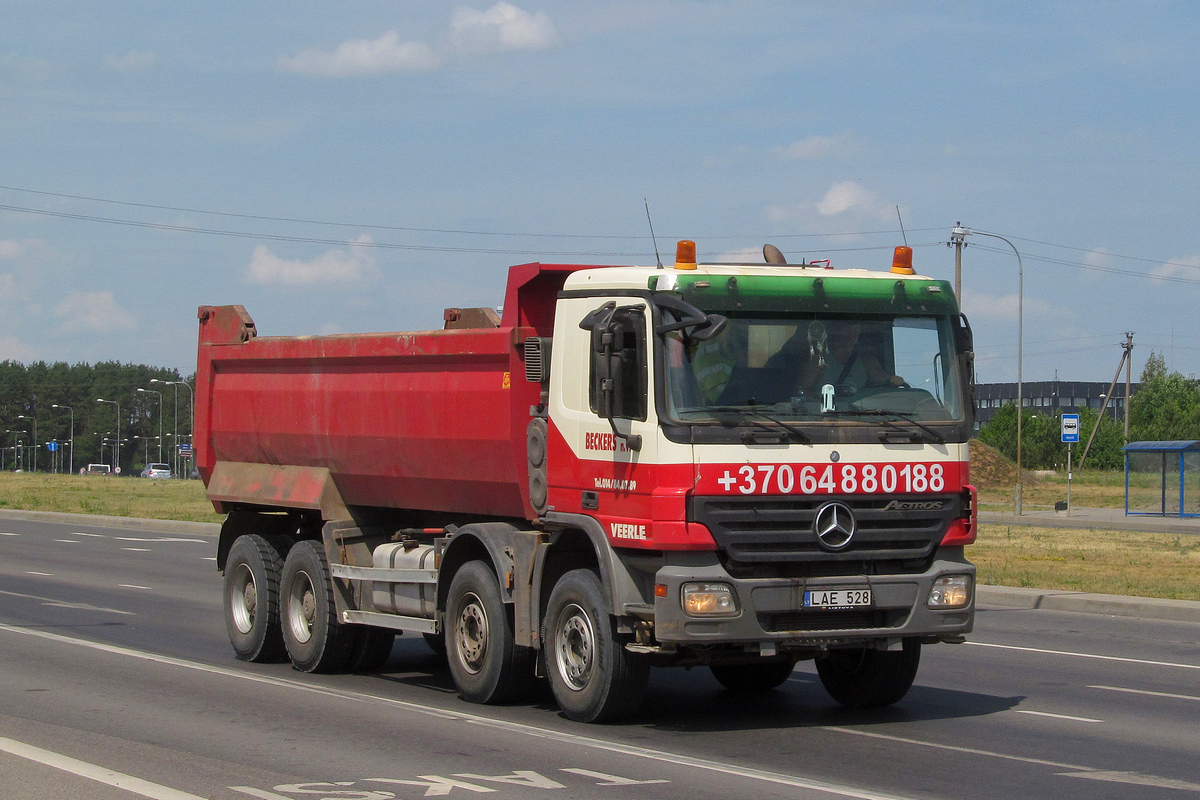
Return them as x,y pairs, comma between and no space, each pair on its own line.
359,166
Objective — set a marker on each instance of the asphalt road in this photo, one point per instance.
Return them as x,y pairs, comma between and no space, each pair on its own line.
118,682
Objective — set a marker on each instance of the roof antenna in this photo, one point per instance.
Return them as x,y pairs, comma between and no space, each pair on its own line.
902,233
657,257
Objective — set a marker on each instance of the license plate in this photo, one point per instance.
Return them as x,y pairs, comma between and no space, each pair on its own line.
837,598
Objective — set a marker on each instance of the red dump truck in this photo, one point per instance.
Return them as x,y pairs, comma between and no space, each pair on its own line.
736,466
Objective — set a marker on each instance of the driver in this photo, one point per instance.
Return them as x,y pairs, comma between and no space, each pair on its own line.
839,356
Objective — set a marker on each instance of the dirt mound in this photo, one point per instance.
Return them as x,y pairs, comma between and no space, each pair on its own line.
990,469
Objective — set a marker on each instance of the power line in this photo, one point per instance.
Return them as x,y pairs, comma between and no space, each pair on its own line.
412,229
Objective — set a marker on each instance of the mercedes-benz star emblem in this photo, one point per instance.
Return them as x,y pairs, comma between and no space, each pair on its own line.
834,526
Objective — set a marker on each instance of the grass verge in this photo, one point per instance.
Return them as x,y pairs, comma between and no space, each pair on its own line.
106,495
1164,565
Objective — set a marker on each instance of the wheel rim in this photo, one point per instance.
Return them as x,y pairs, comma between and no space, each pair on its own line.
575,650
471,633
302,607
243,599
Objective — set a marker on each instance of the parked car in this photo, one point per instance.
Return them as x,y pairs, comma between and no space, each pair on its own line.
157,471
96,469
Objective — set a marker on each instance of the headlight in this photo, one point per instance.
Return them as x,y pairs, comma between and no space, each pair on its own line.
709,600
950,591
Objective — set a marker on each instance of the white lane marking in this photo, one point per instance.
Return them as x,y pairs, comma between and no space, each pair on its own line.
1071,770
1147,692
534,731
603,779
1057,716
137,549
48,601
95,773
1086,655
2,533
209,558
41,574
132,586
157,539
81,533
67,541
1135,778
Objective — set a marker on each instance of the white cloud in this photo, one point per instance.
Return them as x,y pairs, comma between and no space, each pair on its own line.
363,57
849,196
846,205
336,266
818,147
11,250
92,312
501,28
1188,267
131,62
13,349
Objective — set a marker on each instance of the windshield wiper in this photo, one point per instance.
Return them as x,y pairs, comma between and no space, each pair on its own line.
889,418
751,411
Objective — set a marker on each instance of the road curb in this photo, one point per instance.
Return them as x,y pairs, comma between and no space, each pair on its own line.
1087,603
127,523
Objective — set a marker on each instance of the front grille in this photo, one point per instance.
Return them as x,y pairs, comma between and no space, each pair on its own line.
766,530
801,621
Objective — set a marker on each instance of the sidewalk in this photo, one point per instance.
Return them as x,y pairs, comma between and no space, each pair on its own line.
1110,519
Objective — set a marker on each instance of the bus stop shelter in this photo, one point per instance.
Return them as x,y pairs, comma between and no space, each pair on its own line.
1162,479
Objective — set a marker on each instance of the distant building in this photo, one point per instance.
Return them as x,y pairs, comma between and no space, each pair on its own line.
1049,397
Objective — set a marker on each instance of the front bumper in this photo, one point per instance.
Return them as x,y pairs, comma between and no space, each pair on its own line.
772,610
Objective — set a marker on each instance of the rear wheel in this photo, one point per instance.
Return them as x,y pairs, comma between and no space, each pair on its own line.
251,595
757,677
315,640
593,677
862,678
485,662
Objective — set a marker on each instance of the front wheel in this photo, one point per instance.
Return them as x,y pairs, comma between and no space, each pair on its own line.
485,662
593,677
757,677
863,678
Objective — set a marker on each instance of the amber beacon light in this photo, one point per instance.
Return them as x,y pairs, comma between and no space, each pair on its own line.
902,261
685,254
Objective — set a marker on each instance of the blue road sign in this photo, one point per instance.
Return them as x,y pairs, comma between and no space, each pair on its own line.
1070,427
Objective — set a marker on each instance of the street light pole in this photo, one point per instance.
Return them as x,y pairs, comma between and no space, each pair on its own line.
71,468
117,446
961,232
160,416
191,412
35,445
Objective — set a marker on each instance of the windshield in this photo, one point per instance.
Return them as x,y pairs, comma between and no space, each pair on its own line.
817,367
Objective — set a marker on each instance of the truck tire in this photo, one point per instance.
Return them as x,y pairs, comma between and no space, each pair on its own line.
251,599
757,677
593,677
865,678
372,649
315,640
485,662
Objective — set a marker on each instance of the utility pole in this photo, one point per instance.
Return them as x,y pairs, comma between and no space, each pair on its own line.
958,242
1126,358
1128,366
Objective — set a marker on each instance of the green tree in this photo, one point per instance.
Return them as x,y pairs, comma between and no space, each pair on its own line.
1041,439
1166,406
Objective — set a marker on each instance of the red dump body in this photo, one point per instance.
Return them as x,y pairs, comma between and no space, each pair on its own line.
430,420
